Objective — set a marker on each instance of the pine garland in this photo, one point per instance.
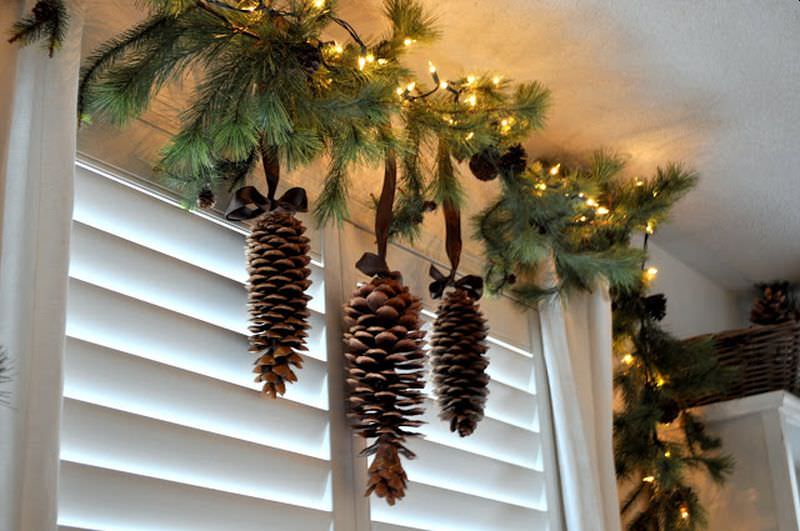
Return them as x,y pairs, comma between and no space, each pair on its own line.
582,220
47,22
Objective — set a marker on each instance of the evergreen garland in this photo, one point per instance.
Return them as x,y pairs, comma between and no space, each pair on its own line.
581,221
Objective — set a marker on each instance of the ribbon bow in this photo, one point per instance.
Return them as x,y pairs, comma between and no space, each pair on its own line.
472,284
374,265
249,203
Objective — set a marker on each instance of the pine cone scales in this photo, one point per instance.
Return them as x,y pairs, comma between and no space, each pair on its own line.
277,254
385,369
458,360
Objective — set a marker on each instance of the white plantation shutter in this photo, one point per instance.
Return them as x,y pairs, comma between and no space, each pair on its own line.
503,476
161,426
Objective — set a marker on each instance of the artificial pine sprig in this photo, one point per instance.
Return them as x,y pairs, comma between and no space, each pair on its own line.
47,22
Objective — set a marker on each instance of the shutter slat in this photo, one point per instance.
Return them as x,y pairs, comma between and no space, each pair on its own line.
444,467
97,498
105,260
427,507
492,438
129,383
125,442
119,322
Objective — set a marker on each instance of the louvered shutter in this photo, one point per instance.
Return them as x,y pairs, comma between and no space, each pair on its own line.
161,426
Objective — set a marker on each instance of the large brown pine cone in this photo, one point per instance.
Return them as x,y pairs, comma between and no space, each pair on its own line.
458,360
775,305
385,370
277,254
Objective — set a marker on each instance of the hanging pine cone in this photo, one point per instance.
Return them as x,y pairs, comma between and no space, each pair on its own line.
775,305
206,199
385,366
485,164
277,254
458,349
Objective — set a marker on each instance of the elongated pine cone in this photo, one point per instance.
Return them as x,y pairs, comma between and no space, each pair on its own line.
458,360
385,370
277,254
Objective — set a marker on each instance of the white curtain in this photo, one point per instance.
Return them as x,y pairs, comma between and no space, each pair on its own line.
576,338
37,153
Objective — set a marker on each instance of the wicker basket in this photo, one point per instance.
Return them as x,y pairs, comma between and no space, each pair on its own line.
767,358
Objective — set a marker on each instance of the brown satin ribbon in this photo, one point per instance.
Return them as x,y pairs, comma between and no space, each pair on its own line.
372,264
249,203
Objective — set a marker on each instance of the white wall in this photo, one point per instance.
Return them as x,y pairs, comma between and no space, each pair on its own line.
696,304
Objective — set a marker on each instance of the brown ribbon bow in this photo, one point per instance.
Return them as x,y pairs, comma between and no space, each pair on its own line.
249,203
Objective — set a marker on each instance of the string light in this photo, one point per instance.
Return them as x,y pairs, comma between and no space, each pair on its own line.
319,4
590,202
370,58
469,136
411,86
496,80
408,41
650,273
431,68
639,182
582,219
555,169
667,454
541,186
684,512
660,381
602,211
472,100
628,359
443,85
650,228
382,61
362,62
471,79
649,479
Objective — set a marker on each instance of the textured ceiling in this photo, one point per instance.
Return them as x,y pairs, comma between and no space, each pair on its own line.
710,83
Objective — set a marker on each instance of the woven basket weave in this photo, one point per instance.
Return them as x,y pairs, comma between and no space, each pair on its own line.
767,358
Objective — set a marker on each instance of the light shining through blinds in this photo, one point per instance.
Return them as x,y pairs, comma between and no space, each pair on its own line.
162,426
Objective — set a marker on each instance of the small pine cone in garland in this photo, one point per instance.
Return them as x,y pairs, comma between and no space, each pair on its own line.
206,199
385,370
485,164
775,305
458,360
277,254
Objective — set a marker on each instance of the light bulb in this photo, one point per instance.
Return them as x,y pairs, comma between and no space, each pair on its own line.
399,91
431,68
591,202
684,512
660,381
472,100
319,4
667,454
541,186
408,41
443,85
382,61
496,80
362,61
650,228
601,211
649,479
370,58
411,86
650,273
555,169
639,182
628,359
471,79
469,136
338,49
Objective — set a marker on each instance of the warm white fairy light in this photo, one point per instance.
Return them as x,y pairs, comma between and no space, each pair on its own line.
443,85
471,79
370,58
541,186
472,100
684,512
338,49
591,202
469,136
649,479
555,169
362,62
496,80
639,182
431,67
650,273
601,211
650,228
400,91
628,359
319,4
408,41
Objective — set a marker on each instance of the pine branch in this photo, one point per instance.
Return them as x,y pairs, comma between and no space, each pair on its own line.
47,22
